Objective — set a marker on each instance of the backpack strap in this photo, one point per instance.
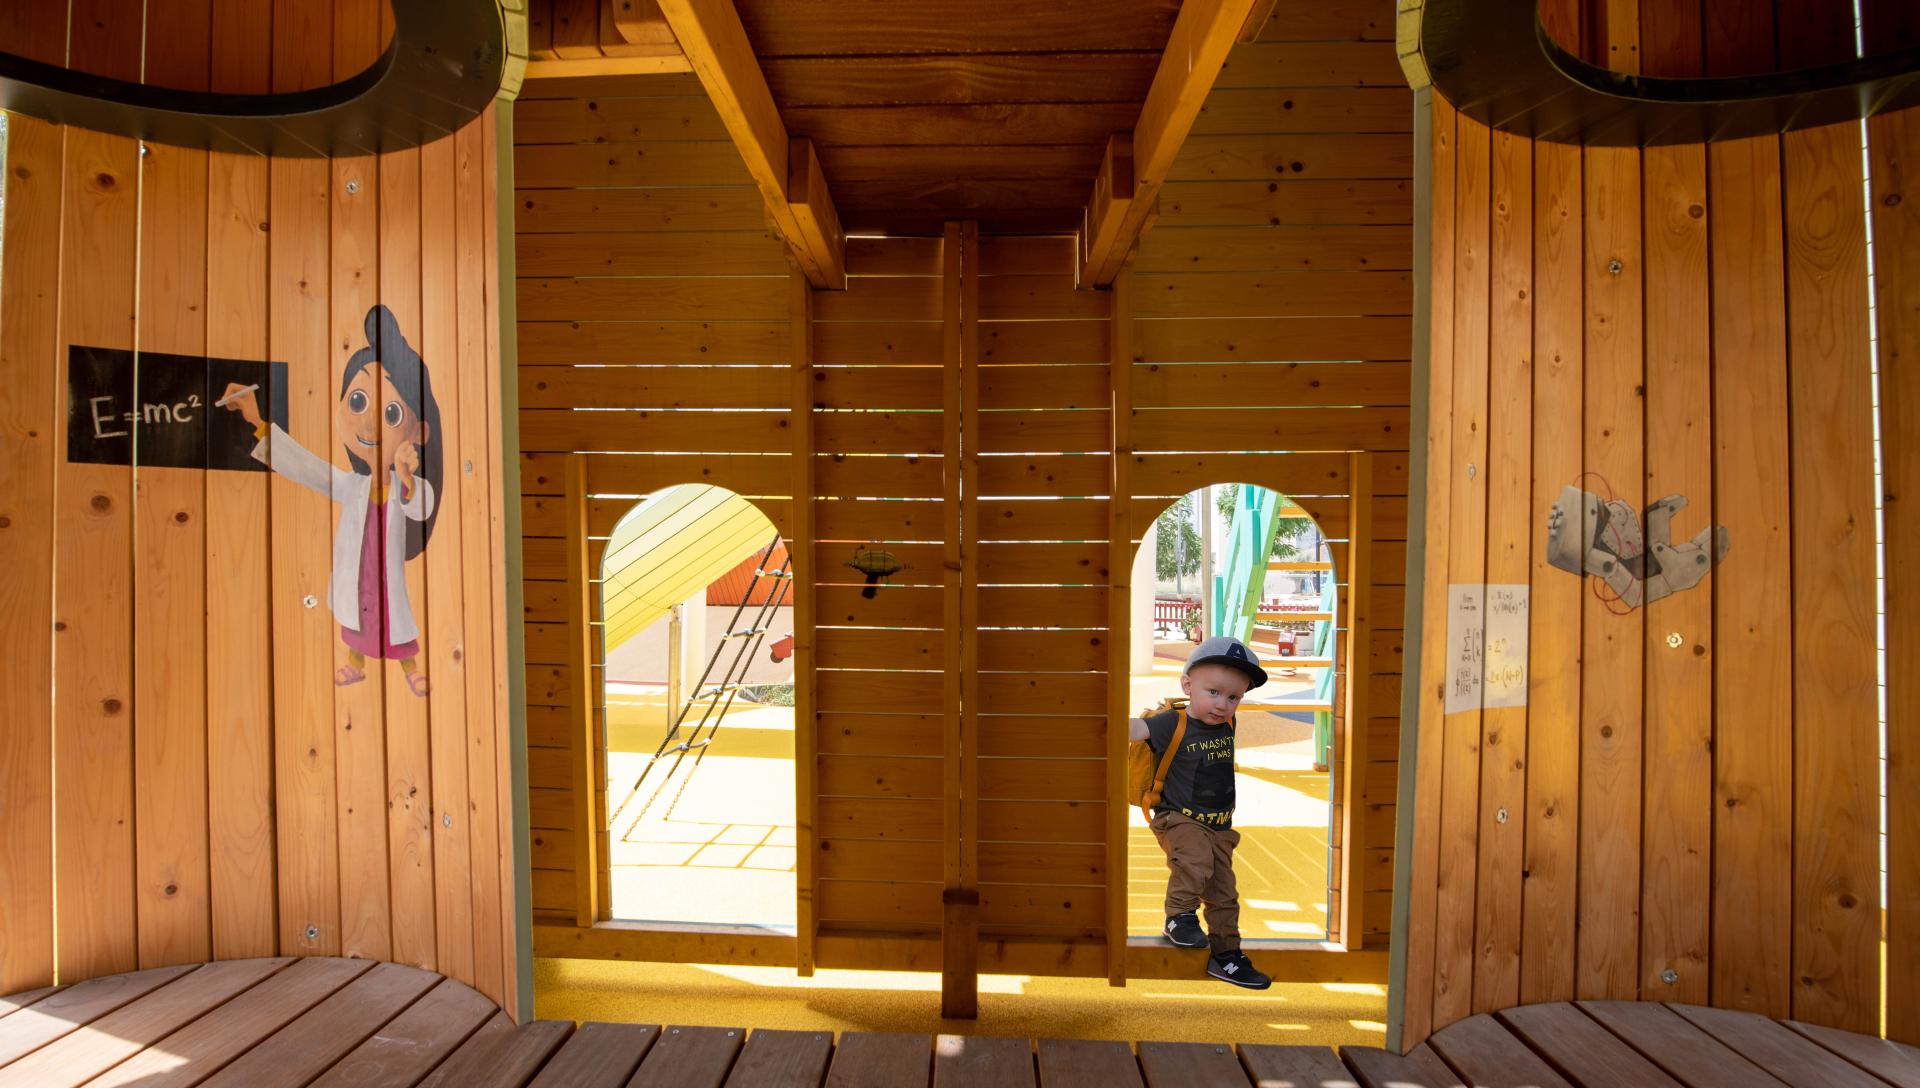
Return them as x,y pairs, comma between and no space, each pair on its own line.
1166,761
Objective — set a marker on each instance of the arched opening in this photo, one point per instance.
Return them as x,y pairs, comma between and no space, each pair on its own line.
696,602
1245,561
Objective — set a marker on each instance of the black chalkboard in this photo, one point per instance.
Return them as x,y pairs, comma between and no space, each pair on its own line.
164,409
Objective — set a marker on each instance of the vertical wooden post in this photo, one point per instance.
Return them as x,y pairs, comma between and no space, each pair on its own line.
800,548
960,899
1119,617
969,558
1352,756
580,587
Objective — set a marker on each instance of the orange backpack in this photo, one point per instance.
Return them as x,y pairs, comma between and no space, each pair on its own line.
1146,775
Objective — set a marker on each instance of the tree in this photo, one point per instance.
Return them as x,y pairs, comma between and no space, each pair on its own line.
1177,539
1285,536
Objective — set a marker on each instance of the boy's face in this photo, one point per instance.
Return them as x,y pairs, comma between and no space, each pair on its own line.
1215,692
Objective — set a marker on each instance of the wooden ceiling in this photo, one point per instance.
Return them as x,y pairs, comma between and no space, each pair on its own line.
1027,116
929,110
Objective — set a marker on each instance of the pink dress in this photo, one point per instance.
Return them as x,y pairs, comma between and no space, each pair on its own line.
371,638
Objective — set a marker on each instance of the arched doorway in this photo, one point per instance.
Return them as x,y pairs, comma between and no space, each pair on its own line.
697,606
1243,560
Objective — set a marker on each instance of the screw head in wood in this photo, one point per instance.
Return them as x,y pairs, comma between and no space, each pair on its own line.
1674,640
1614,267
1669,976
313,933
1500,817
310,600
353,185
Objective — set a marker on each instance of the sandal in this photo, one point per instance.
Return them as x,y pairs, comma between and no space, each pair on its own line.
417,683
347,674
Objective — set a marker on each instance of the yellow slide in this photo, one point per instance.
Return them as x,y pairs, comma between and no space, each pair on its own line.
676,542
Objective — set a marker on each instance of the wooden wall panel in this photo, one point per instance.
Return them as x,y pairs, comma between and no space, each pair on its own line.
1700,771
170,585
216,799
1894,143
93,592
29,365
1835,694
700,323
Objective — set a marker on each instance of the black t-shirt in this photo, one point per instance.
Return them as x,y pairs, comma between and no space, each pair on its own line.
1200,779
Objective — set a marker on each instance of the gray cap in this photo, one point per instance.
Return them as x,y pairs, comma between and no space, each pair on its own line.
1231,652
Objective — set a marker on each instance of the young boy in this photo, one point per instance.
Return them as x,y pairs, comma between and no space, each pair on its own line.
1193,819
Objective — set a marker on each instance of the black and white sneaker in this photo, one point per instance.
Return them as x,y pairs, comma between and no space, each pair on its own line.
1184,930
1236,968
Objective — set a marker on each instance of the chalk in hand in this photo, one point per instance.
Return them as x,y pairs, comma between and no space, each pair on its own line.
222,402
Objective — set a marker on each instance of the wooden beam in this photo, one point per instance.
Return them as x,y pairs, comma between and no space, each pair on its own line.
716,45
580,590
1202,35
1113,189
1119,614
1352,759
609,66
800,547
1257,16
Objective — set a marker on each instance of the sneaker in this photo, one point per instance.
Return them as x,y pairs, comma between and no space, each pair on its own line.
1236,968
1184,930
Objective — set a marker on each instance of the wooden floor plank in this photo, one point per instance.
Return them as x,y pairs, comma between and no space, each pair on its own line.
782,1059
329,1031
1191,1065
1789,1057
1579,1047
599,1056
689,1057
1292,1066
879,1059
982,1061
1418,1068
75,1007
1693,1057
1896,1063
133,1027
1488,1057
200,1049
15,1002
485,1040
413,1043
507,1060
1087,1063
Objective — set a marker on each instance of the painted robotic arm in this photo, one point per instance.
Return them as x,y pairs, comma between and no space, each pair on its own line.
1605,539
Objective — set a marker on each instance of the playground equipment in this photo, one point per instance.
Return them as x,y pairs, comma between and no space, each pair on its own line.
715,700
677,542
1238,601
1238,590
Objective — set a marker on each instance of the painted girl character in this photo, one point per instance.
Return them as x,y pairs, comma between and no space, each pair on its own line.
387,417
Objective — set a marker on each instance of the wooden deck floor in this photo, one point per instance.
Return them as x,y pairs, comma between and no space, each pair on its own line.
333,1022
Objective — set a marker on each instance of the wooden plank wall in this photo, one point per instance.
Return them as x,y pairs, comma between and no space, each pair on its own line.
1271,338
183,780
1691,789
645,187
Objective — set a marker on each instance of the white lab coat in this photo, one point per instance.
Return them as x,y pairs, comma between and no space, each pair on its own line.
351,490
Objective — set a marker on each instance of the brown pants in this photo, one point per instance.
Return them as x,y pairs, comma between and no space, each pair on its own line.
1200,870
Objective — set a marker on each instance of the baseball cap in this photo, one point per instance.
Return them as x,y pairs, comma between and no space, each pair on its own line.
1231,652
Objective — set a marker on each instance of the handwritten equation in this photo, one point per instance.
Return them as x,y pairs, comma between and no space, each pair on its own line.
1486,647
